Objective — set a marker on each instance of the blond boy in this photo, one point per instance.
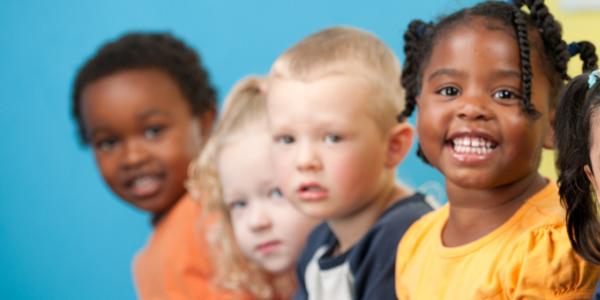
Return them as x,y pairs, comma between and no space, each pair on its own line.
333,100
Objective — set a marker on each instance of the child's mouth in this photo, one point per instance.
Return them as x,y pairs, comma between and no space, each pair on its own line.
471,148
472,145
312,192
144,186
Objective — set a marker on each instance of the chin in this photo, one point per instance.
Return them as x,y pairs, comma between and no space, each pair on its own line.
278,268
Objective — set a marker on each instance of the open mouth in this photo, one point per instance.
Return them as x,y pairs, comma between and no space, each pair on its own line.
312,191
144,186
472,145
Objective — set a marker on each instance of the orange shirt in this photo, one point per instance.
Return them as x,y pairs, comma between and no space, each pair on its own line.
528,257
176,264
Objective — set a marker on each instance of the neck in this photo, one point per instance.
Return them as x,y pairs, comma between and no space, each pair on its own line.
284,285
350,228
475,213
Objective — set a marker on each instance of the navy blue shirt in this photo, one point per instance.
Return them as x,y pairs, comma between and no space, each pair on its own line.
365,271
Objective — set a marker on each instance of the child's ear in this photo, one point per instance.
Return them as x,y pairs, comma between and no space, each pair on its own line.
400,140
549,138
590,175
207,120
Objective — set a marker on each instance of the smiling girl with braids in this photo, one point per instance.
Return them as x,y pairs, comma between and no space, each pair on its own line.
485,81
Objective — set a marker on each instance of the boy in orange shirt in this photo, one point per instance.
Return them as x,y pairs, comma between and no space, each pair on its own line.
145,105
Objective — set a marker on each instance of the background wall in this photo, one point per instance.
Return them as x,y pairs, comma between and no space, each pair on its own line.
63,235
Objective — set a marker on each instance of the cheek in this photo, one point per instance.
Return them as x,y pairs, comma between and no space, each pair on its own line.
283,166
193,139
241,232
432,122
351,171
107,167
178,153
294,227
526,136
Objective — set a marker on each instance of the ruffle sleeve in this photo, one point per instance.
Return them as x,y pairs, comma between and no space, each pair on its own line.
544,266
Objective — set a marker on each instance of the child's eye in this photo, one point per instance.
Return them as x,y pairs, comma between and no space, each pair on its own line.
448,91
275,193
153,131
237,204
284,139
505,95
106,144
332,138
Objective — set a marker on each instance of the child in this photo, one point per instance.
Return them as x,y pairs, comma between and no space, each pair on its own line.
332,102
485,80
577,134
144,103
260,236
575,142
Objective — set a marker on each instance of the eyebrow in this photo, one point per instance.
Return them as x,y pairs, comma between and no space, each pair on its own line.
152,112
445,72
506,73
143,115
93,132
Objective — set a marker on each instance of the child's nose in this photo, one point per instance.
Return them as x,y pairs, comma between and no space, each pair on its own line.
473,107
307,158
259,218
134,153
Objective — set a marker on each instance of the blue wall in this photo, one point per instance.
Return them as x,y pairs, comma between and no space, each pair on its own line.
63,235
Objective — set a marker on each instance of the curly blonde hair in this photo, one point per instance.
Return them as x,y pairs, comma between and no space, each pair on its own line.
245,105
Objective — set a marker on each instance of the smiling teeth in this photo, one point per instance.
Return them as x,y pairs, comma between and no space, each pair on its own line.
472,145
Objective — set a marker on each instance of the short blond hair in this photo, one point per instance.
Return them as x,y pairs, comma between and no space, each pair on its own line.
347,50
244,106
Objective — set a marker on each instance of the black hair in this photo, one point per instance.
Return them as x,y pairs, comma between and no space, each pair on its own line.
576,107
420,39
161,51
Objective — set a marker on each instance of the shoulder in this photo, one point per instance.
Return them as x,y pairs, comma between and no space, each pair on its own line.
319,237
543,263
422,233
381,241
401,215
426,223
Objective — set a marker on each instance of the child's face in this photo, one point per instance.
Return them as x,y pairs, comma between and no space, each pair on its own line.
330,154
143,135
471,125
268,229
593,171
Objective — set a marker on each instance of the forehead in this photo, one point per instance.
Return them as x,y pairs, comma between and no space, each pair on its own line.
471,42
246,153
131,94
483,33
484,44
337,96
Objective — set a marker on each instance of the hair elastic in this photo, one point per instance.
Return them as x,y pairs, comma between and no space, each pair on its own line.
573,48
593,78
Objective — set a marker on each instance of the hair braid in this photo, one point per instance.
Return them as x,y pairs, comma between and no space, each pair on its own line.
587,53
410,70
551,33
524,53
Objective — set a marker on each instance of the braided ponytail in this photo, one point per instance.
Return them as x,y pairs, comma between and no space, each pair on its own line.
587,54
524,54
410,70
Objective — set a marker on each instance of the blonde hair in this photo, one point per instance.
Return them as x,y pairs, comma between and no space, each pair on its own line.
349,51
245,105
